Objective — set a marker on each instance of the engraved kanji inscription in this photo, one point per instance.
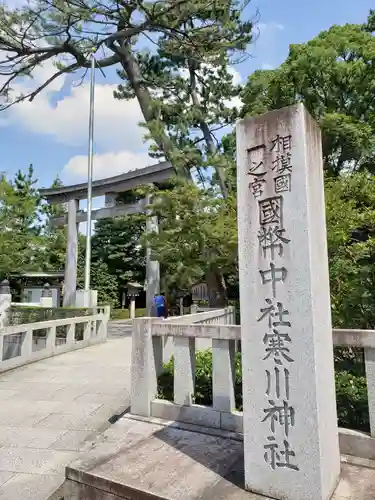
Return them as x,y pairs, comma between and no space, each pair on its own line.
256,169
282,163
273,275
274,312
286,454
255,159
270,239
283,183
271,211
276,347
275,456
274,380
283,415
281,144
257,185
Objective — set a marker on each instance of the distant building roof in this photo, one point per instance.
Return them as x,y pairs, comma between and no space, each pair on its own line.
38,274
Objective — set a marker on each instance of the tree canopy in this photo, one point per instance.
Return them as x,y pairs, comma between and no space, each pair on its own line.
333,75
67,32
185,86
117,243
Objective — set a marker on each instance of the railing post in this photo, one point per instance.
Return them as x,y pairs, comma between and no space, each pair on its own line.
87,330
184,370
223,375
5,303
143,368
51,338
27,344
370,375
1,347
103,324
70,334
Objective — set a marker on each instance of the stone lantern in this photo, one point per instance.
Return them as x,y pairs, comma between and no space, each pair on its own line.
46,298
133,290
180,294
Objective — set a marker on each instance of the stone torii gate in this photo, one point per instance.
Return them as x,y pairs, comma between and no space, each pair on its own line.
110,188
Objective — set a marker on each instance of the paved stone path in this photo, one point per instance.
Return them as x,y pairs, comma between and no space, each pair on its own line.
53,410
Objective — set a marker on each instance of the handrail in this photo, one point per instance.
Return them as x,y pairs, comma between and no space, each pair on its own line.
11,330
185,334
199,317
25,349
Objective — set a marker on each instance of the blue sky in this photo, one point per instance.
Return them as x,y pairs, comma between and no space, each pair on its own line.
51,132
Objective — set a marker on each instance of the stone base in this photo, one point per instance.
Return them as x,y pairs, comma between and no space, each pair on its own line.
137,460
86,298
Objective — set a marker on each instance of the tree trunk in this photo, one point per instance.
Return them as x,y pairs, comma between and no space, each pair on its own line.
144,98
205,129
215,282
217,290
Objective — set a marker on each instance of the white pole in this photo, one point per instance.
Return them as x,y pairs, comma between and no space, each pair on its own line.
132,307
89,176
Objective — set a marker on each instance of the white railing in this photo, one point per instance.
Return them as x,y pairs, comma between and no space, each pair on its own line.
150,349
23,344
147,333
225,316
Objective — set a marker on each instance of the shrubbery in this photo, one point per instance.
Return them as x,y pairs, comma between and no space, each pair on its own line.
124,313
351,388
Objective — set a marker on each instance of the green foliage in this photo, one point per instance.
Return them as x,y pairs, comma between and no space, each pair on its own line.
20,315
197,233
189,84
54,238
352,404
116,242
350,209
203,379
18,202
351,390
100,279
21,227
27,242
125,314
333,75
183,85
194,36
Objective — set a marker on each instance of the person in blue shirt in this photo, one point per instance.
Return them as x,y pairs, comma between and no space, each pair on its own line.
161,305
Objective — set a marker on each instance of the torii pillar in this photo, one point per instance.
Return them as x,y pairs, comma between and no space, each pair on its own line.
152,266
70,276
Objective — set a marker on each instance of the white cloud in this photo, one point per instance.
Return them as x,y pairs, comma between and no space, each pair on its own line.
237,80
267,66
67,122
269,28
237,77
105,165
235,102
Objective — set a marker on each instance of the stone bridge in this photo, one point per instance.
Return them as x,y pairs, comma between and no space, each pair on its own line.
67,416
54,409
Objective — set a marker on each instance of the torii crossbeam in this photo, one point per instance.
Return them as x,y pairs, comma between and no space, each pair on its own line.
110,188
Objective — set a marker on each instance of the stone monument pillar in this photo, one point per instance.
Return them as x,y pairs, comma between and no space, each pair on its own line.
152,266
290,423
70,278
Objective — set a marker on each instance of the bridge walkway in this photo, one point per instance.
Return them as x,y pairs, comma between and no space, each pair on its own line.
53,410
